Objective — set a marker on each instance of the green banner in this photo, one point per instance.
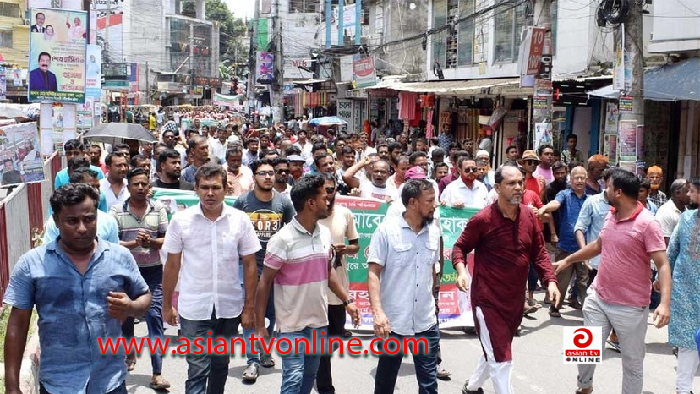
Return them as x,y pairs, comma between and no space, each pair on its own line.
455,308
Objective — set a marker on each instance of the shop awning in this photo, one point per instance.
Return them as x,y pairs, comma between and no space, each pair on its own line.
308,81
474,86
672,82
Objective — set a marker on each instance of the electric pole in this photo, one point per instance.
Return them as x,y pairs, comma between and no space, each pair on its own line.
542,94
253,58
634,85
277,87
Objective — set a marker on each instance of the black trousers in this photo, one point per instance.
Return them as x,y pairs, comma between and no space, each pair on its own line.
336,328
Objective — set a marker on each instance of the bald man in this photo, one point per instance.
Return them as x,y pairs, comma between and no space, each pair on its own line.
569,202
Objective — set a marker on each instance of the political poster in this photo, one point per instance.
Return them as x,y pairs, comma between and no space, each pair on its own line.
93,72
57,42
455,306
265,73
20,155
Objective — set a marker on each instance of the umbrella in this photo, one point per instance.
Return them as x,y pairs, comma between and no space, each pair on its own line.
327,121
109,132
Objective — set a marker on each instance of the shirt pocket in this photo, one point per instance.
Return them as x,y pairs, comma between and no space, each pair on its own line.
401,254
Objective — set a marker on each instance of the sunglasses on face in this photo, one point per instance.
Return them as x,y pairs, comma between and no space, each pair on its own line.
530,162
330,190
265,173
282,171
470,169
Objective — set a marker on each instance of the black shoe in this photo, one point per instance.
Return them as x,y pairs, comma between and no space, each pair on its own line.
465,391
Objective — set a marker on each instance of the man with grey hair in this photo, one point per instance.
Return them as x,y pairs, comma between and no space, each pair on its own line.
670,212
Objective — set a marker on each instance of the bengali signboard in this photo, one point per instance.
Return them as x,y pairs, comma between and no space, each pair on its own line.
57,56
93,72
363,71
455,307
20,154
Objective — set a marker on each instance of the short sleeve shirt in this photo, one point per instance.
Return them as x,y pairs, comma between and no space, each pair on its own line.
570,207
342,226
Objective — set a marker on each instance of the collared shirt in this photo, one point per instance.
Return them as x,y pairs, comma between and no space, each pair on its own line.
210,252
407,260
545,173
113,199
248,157
73,315
302,261
154,222
62,177
243,182
567,157
659,198
591,219
458,192
218,148
668,215
107,229
568,215
624,271
341,223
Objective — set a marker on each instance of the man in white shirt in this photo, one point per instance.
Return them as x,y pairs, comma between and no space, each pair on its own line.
670,212
204,243
376,187
114,185
466,191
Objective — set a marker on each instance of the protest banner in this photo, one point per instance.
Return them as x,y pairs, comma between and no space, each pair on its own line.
20,154
57,56
455,308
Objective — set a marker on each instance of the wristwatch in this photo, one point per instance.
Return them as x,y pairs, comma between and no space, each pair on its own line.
348,302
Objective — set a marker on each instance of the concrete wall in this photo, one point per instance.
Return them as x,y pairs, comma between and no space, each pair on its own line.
676,20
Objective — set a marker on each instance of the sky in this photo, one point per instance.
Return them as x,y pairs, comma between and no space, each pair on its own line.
241,8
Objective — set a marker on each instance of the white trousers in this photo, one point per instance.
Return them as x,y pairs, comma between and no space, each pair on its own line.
500,373
688,361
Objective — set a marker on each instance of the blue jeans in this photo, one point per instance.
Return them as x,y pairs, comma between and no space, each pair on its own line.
154,321
298,368
207,373
425,364
119,390
269,314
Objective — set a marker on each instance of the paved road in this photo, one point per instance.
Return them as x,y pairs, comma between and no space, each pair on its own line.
537,358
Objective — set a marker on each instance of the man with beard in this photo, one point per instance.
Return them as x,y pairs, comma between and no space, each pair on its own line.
296,167
401,242
619,295
199,151
241,177
299,261
251,153
281,176
505,238
268,211
115,185
170,171
466,191
342,226
569,202
596,167
656,177
376,186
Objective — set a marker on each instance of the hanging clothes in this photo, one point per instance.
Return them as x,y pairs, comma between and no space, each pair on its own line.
408,105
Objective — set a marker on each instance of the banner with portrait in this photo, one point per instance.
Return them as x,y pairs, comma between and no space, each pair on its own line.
455,305
57,41
20,154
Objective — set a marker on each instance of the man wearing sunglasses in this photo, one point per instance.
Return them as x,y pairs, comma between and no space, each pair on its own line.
533,182
281,176
466,191
268,211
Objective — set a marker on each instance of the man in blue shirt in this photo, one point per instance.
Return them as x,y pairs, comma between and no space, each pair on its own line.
73,148
82,288
569,203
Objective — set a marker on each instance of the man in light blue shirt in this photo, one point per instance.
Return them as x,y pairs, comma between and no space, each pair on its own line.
402,254
71,149
589,224
82,288
107,227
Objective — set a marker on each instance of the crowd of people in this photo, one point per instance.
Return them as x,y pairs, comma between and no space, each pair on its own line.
548,220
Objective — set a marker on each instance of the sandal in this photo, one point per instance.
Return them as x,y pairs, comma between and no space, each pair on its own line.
267,361
442,373
250,375
584,391
554,313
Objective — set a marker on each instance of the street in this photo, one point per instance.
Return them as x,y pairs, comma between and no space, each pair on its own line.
537,358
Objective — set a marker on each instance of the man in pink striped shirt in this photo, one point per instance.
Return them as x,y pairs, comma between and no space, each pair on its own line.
619,295
299,261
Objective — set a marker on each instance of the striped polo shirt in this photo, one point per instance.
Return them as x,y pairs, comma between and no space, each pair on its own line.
154,221
302,261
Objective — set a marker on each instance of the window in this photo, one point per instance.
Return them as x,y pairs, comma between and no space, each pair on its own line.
303,6
6,38
10,10
453,49
509,27
465,35
438,40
